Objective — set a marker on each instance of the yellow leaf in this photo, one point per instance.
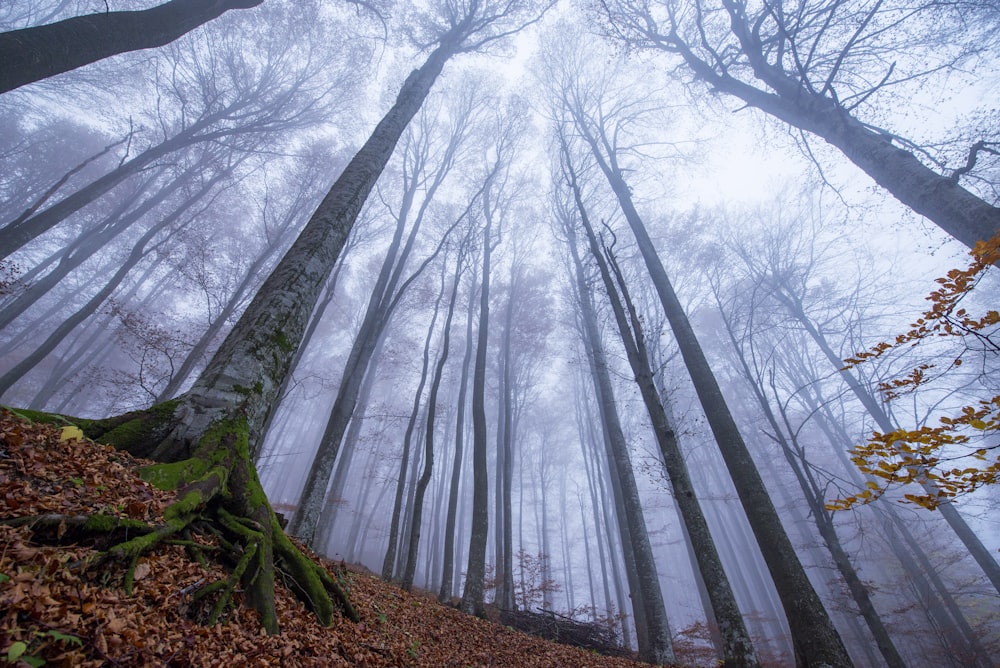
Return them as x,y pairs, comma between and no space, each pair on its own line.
69,433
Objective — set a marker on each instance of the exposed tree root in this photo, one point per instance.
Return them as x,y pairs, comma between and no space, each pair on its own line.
218,494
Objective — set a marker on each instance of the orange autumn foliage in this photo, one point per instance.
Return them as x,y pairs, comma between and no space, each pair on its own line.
927,455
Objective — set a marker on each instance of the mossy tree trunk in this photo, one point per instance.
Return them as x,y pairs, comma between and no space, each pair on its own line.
208,439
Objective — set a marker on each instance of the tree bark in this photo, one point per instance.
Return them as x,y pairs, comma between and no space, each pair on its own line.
472,594
656,647
33,54
425,476
737,647
815,638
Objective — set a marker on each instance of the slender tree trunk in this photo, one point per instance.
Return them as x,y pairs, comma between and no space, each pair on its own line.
505,456
815,638
657,646
447,567
425,476
388,564
91,242
472,595
32,54
737,648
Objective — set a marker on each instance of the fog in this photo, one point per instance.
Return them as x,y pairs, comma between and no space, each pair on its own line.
505,290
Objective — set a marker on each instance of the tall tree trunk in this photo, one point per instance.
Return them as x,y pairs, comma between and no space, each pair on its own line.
215,428
389,563
447,567
425,476
815,638
737,647
32,54
472,594
386,295
656,646
91,242
504,570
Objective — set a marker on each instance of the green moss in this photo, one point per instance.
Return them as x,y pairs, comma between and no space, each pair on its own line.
186,505
46,418
99,522
281,341
175,474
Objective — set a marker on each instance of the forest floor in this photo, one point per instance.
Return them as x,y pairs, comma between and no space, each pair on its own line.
55,614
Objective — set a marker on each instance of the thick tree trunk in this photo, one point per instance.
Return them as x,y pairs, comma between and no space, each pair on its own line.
939,198
815,638
386,295
32,54
210,437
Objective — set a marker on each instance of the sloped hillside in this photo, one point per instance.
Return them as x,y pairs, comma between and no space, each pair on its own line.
60,607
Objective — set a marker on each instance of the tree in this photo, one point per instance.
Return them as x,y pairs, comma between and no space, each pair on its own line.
425,169
240,100
954,458
817,65
737,647
432,399
32,54
814,636
207,440
495,199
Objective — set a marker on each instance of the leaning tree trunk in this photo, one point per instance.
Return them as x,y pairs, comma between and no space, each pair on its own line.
36,53
814,636
656,643
939,198
208,439
737,647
